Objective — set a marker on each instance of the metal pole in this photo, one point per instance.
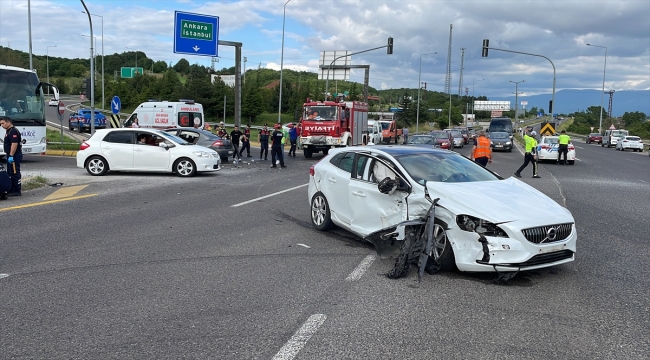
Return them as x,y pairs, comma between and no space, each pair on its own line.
473,99
48,66
29,25
224,109
602,94
92,72
417,116
517,99
327,79
284,16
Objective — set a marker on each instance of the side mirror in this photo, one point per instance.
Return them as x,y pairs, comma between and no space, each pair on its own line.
166,146
387,186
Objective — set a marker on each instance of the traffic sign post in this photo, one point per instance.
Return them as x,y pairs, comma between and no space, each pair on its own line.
196,34
116,104
61,111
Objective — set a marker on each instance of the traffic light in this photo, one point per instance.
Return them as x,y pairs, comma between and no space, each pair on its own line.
550,107
486,45
389,48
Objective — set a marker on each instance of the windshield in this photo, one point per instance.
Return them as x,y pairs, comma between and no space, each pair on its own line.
385,125
633,138
173,138
440,134
499,135
18,99
422,139
619,133
503,125
553,140
321,112
456,134
443,167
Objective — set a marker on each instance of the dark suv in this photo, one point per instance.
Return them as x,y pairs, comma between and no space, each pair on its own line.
594,138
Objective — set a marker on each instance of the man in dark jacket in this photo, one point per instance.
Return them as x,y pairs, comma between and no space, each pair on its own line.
276,146
234,138
263,138
13,149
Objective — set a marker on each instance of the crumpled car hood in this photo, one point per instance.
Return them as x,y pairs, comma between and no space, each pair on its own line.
499,201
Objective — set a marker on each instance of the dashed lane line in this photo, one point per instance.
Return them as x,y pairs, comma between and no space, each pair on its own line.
300,338
361,268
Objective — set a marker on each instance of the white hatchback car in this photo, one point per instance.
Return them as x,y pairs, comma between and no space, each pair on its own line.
147,150
381,193
547,150
629,142
53,102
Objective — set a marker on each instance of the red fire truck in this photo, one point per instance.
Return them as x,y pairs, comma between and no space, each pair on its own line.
328,124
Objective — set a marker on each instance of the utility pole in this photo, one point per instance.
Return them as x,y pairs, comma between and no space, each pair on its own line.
517,100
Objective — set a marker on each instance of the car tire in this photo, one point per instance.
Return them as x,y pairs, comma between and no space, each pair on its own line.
326,151
80,128
224,159
321,217
441,251
571,162
602,145
96,166
510,150
307,153
184,167
69,125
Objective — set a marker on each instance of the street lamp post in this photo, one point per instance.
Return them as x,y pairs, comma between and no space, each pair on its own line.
103,98
473,82
417,117
602,94
284,17
517,99
47,60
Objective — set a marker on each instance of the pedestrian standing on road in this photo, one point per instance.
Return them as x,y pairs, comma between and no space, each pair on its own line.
531,153
234,138
482,151
405,132
13,149
293,138
276,146
263,139
246,142
563,140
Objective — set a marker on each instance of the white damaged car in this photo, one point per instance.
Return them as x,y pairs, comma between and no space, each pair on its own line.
384,194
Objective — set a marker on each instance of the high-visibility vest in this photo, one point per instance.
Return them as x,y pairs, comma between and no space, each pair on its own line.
482,147
564,139
531,143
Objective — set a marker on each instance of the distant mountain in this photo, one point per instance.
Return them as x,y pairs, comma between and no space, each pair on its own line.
570,101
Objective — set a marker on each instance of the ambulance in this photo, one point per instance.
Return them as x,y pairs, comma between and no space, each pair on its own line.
167,114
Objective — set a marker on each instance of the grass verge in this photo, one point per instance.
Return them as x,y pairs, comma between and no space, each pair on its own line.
54,141
34,182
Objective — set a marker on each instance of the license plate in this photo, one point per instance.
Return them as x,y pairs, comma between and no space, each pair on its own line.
498,145
27,150
229,152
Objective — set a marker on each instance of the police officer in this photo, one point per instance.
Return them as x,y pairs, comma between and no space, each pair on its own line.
482,151
530,156
263,139
246,142
277,138
564,140
13,149
221,131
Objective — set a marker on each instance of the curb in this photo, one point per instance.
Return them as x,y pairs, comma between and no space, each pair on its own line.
61,152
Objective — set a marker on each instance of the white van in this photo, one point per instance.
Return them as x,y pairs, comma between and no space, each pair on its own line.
611,136
167,114
374,132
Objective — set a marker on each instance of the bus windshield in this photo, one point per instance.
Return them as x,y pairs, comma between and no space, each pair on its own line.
18,99
321,112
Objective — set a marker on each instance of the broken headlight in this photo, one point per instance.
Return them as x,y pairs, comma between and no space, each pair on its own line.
479,226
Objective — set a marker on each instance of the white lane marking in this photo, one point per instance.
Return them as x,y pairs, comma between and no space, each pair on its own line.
268,196
300,338
303,245
2,276
578,159
361,269
578,147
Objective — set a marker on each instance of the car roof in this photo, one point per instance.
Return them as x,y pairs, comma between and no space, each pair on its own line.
396,150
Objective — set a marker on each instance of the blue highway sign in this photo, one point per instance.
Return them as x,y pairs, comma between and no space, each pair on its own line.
196,34
116,105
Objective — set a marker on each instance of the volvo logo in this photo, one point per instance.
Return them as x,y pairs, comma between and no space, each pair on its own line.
551,234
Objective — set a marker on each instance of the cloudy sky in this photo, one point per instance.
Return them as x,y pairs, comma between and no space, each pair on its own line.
557,29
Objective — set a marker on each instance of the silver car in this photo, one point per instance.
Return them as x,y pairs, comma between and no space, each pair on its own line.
458,138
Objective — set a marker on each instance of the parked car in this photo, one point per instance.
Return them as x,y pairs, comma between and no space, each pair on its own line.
594,138
352,187
53,102
501,141
144,149
205,138
429,141
444,139
547,150
80,120
629,142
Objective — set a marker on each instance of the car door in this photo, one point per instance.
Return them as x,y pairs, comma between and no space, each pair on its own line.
373,211
117,148
336,181
148,155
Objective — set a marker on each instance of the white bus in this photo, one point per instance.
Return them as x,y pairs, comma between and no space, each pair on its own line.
22,100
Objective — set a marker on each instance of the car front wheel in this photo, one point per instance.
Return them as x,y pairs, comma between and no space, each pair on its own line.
320,212
96,166
441,251
184,167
